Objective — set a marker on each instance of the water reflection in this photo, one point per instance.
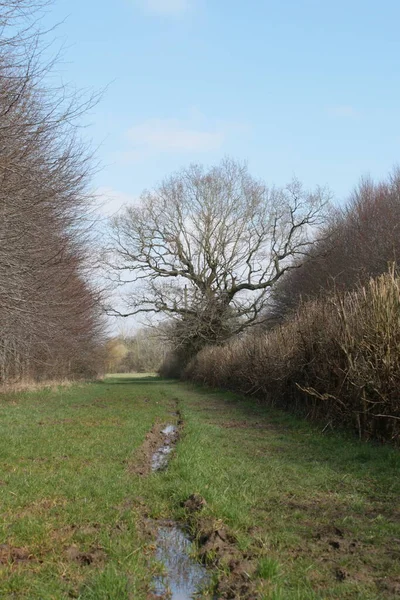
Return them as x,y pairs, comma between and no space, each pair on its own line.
169,430
184,577
160,457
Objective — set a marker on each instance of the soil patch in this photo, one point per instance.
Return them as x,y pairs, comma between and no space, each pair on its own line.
141,464
94,556
217,547
12,555
154,452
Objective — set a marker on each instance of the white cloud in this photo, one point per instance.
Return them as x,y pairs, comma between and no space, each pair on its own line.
190,136
165,7
110,201
173,135
344,111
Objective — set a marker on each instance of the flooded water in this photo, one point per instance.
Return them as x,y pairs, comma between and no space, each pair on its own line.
160,457
184,578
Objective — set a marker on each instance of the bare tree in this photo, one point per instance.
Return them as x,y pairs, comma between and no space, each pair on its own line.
362,240
206,247
50,321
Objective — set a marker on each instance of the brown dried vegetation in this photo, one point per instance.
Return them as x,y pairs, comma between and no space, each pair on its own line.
50,326
336,360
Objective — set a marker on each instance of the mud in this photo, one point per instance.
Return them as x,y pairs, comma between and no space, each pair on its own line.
195,503
215,545
183,577
154,453
217,548
12,555
390,585
94,556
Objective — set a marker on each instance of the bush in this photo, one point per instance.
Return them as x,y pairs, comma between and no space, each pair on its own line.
336,360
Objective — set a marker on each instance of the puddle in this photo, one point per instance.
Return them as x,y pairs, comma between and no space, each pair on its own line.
159,460
184,577
169,430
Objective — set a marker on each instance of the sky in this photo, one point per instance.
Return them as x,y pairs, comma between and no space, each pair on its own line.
296,87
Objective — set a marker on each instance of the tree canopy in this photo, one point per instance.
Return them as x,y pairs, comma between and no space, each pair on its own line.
207,245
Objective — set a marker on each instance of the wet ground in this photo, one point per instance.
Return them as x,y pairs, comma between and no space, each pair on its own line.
184,578
159,460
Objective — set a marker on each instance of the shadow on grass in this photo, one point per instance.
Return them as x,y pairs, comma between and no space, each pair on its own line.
136,380
310,444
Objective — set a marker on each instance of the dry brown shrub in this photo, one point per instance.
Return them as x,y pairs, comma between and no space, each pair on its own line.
336,360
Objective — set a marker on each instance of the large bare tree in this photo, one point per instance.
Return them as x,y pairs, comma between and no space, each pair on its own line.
207,245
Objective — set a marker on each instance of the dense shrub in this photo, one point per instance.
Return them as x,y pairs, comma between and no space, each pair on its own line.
336,360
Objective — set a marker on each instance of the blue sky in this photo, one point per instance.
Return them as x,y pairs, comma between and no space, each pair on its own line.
300,87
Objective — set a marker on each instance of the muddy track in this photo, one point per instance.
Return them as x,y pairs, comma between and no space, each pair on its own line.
217,548
153,454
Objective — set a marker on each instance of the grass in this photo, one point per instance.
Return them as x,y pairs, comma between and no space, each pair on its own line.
317,513
268,568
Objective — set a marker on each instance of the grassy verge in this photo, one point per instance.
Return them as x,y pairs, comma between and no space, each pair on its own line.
316,515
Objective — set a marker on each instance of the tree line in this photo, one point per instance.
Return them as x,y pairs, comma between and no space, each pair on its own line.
360,240
51,324
140,352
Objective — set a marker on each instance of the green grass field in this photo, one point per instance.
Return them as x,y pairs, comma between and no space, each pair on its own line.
314,515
